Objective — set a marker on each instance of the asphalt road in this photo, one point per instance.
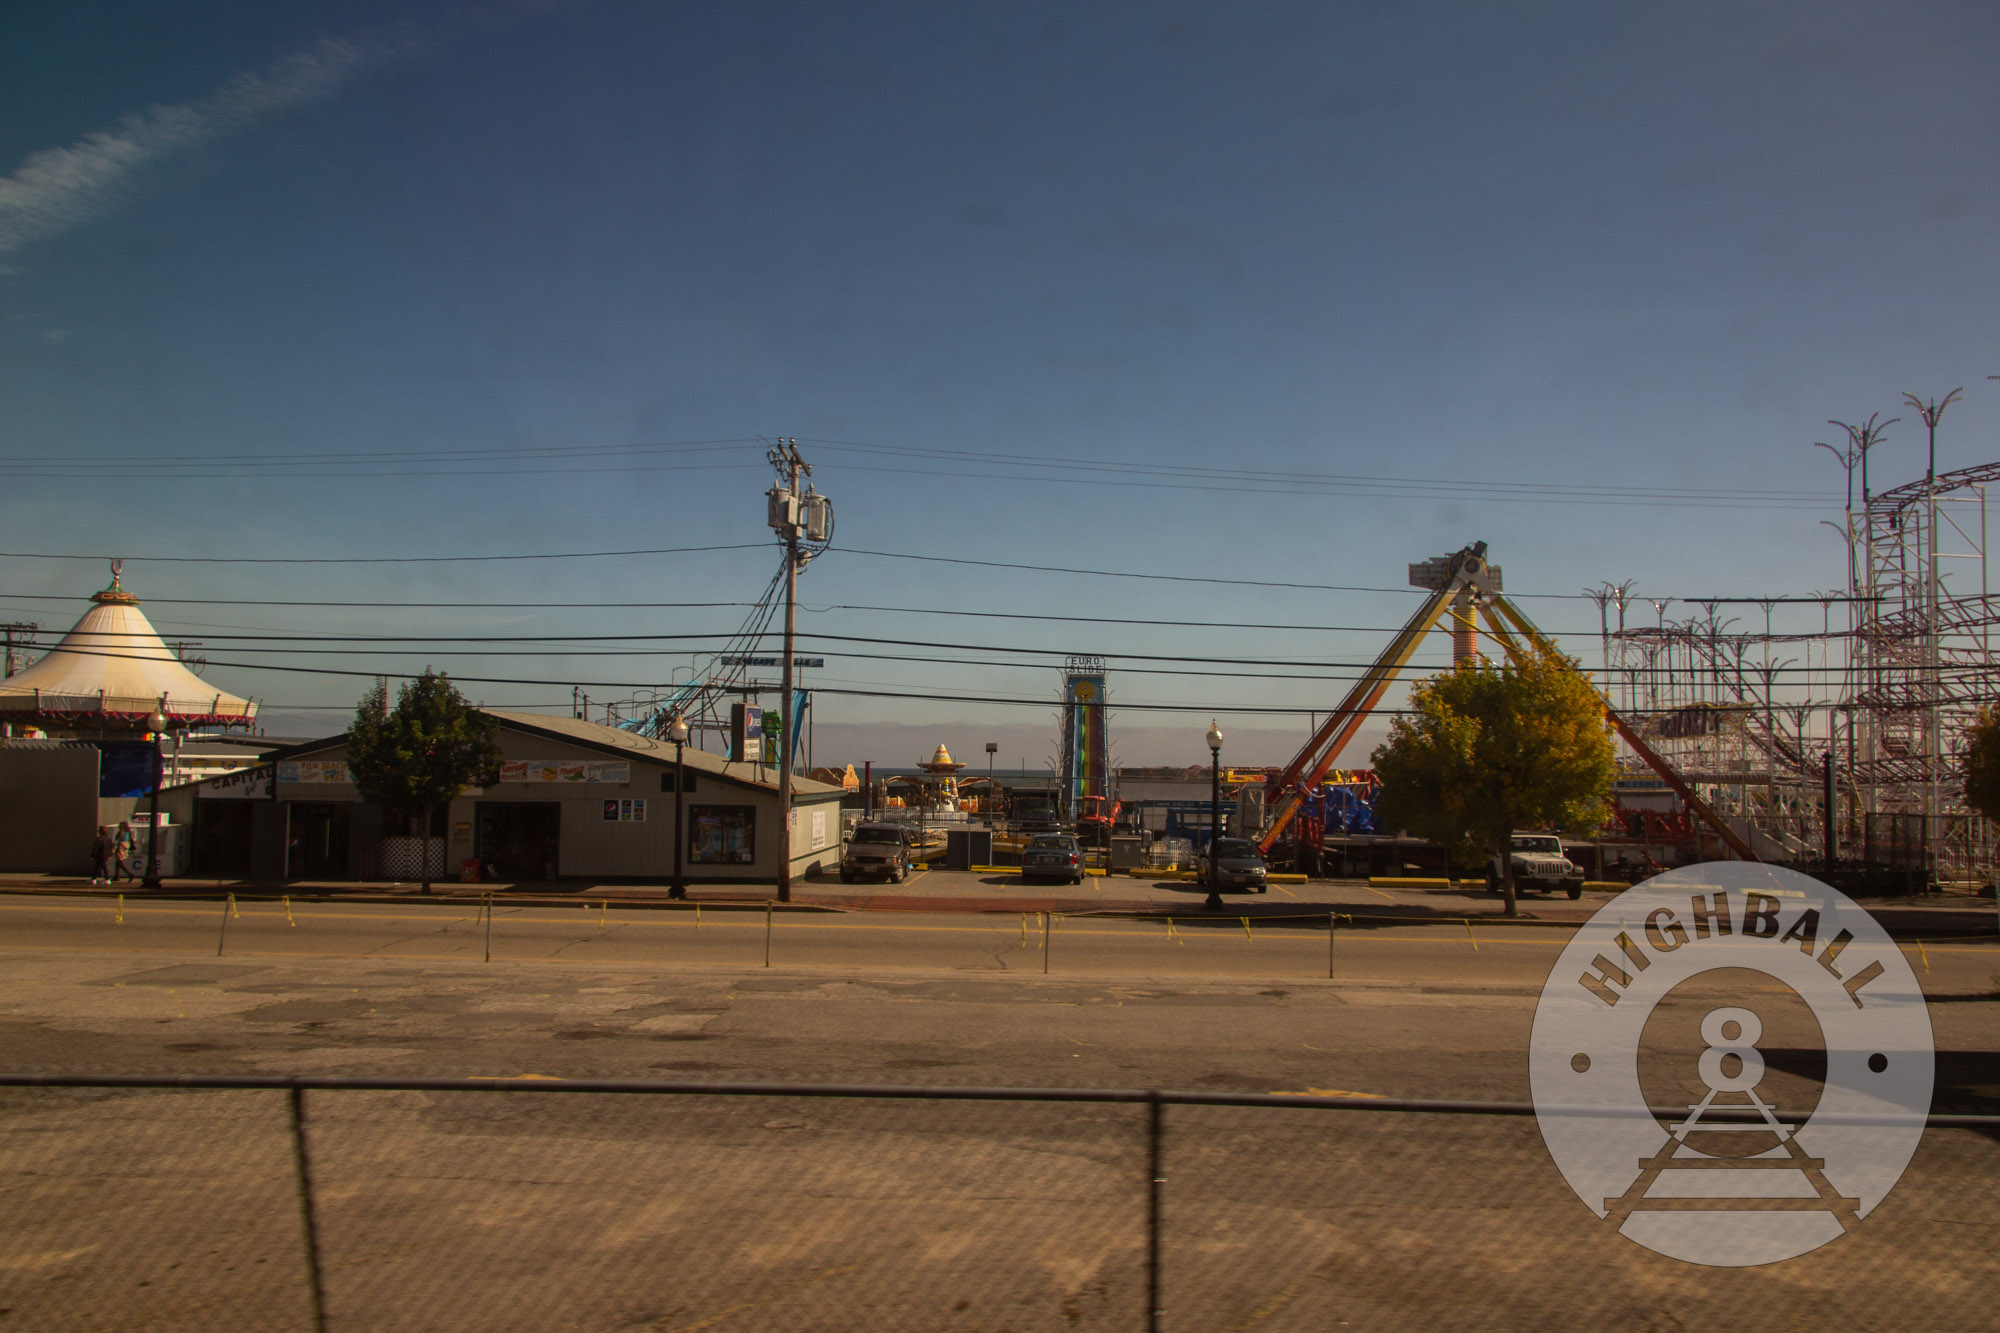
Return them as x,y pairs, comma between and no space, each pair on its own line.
500,1211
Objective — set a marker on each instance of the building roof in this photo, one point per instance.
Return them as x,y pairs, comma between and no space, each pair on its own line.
612,740
113,667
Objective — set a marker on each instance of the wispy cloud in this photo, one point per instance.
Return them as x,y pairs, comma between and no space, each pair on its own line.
57,188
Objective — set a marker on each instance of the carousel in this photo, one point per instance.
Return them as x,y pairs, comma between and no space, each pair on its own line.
113,678
110,695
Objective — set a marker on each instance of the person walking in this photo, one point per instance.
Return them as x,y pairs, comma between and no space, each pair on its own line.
123,846
102,848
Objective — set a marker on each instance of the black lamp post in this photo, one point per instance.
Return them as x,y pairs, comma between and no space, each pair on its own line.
1214,899
992,792
158,723
677,732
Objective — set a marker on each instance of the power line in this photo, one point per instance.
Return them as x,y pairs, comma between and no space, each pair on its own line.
1025,467
738,643
387,559
756,546
395,455
1431,485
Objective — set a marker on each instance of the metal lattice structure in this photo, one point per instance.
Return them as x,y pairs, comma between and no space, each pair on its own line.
1887,686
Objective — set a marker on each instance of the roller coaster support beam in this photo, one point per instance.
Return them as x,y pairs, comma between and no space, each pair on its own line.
1500,613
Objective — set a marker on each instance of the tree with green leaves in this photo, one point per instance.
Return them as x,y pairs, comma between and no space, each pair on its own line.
1982,765
422,753
1486,750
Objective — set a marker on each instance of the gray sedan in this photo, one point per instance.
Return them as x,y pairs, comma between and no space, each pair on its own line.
1237,866
1052,856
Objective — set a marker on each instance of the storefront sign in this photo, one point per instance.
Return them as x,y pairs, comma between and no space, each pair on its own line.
313,770
246,784
625,812
563,770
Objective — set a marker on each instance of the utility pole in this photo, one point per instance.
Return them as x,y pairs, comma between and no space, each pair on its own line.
22,627
803,520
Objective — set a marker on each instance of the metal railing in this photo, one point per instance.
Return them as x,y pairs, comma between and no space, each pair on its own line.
311,1138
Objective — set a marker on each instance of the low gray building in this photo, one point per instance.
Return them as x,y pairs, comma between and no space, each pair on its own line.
574,800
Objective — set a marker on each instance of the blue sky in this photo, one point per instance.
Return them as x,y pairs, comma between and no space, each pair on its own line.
1582,281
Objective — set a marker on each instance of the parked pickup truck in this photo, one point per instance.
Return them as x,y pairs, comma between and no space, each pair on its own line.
1539,866
877,851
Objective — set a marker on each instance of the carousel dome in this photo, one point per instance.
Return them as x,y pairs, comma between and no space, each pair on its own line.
112,669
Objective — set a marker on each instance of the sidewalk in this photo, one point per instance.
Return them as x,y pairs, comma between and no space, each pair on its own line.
1355,901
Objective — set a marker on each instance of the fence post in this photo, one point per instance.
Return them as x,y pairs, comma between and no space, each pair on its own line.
1329,946
489,927
223,933
1153,1183
767,933
1045,942
310,1226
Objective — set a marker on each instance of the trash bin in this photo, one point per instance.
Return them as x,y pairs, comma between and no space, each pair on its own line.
965,848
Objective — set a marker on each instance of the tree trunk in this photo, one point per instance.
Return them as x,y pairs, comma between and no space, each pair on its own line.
1507,884
424,857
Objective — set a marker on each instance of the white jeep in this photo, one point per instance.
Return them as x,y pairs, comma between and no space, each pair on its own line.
1539,866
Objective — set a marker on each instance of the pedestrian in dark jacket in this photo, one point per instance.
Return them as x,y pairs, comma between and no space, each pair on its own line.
102,849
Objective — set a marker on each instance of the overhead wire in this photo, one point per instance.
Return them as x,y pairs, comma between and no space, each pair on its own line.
1020,465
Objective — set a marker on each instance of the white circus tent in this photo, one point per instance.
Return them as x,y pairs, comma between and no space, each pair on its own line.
110,673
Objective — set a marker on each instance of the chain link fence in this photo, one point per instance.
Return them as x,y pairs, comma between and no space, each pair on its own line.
161,1203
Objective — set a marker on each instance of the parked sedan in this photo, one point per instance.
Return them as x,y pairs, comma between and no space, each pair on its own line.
1237,866
1052,856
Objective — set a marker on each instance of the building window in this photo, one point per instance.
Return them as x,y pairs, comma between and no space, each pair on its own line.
722,834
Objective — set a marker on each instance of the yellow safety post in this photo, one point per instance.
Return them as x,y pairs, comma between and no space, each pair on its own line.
1175,935
1246,926
286,901
118,912
1469,935
1925,955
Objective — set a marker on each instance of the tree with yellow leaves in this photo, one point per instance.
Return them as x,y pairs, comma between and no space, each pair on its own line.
1485,750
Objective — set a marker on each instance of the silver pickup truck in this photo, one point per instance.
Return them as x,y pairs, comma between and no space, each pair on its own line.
1539,866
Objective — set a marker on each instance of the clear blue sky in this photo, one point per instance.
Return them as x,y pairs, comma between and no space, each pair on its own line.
1291,293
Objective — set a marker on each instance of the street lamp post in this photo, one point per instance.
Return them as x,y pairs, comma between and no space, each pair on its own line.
1214,899
992,792
158,723
677,732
